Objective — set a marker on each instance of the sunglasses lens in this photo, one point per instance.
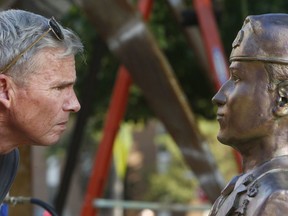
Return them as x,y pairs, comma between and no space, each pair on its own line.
56,29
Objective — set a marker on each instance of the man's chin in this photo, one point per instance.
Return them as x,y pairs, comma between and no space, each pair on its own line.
49,142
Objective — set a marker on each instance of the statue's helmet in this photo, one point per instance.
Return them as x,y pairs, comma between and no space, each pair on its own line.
262,38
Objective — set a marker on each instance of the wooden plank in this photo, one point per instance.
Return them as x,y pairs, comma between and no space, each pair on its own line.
22,185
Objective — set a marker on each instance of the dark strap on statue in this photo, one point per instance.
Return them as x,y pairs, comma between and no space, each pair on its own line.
8,168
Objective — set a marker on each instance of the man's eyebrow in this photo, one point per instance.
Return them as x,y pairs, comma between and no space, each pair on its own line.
65,83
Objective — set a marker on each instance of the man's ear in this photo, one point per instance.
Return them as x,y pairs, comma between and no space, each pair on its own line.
281,108
4,90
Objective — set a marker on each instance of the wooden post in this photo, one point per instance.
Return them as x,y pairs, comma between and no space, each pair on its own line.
22,185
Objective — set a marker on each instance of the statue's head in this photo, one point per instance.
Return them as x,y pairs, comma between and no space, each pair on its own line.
255,98
262,38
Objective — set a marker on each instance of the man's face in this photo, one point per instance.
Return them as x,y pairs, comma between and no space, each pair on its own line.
40,108
245,106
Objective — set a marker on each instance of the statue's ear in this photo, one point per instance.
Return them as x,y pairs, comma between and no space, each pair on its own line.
281,108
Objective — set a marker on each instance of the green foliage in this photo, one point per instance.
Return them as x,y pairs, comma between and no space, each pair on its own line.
182,58
171,187
175,183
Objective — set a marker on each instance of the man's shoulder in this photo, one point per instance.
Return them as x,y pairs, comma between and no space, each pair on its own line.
8,168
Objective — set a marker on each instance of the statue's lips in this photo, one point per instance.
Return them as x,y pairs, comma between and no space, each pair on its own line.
220,116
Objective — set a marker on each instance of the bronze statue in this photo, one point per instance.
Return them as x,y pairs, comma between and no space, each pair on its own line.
253,117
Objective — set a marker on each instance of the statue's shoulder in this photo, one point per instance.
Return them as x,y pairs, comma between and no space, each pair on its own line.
273,193
275,204
257,193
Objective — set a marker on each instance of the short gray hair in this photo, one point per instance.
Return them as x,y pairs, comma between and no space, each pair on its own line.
19,29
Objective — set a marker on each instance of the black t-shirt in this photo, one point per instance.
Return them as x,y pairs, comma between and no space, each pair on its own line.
8,169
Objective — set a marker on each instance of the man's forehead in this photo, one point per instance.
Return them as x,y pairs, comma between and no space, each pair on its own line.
51,52
53,58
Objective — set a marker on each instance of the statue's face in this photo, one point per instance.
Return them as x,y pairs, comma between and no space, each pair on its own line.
244,104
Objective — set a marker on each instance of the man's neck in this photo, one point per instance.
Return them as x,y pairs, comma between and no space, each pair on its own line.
8,140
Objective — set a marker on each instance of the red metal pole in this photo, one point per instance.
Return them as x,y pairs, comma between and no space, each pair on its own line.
212,42
117,107
102,161
145,7
214,50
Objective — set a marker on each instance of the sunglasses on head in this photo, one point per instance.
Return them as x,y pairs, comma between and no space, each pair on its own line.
53,27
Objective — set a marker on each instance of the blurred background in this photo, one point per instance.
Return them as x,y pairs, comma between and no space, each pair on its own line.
148,168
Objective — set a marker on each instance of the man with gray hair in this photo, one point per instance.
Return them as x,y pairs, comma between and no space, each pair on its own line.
253,118
37,76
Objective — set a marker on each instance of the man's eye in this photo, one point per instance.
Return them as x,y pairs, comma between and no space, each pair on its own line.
59,88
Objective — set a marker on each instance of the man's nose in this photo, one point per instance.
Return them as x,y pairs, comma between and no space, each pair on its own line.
72,104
